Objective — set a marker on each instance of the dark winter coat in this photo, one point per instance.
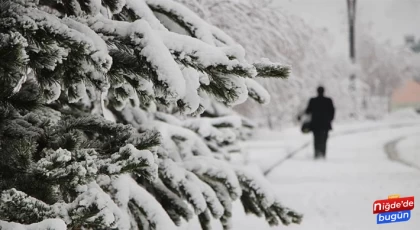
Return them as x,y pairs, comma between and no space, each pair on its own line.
322,113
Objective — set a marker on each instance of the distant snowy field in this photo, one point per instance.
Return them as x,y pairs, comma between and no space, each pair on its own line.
337,194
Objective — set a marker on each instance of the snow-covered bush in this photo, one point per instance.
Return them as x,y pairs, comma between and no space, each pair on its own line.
110,117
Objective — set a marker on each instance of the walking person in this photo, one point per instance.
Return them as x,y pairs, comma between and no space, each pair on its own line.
321,109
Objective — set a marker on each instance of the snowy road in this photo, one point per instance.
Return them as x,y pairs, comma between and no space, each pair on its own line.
338,193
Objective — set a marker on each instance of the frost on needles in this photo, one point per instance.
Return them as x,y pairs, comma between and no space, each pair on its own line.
112,119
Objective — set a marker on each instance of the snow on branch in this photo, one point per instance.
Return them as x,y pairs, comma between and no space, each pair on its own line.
204,56
209,127
142,11
18,206
174,205
217,170
220,134
92,207
191,101
51,224
136,200
258,198
146,43
257,92
181,142
184,183
265,69
190,21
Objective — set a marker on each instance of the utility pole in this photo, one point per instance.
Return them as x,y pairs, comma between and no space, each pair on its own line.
351,10
351,7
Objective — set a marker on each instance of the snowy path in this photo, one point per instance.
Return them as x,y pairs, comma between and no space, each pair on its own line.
338,193
342,131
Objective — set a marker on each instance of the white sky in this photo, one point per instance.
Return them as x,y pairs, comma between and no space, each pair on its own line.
389,19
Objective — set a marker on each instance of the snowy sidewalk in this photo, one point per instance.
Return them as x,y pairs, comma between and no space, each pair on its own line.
337,194
268,147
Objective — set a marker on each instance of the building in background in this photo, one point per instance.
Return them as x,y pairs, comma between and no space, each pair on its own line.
408,95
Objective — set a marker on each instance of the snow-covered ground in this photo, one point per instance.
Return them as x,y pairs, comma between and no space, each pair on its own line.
338,193
409,149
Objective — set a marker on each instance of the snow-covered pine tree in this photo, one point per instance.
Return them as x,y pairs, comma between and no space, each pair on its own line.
101,122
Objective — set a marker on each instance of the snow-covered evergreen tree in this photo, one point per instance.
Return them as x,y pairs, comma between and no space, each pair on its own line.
108,117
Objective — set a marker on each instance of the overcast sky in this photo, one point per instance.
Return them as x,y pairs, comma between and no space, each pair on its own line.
389,19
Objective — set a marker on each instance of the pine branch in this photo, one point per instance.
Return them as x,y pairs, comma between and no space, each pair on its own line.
272,70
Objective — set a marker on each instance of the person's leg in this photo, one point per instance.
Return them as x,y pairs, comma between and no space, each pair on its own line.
324,143
317,143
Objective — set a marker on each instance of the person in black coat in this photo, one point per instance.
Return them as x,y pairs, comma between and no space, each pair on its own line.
322,112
